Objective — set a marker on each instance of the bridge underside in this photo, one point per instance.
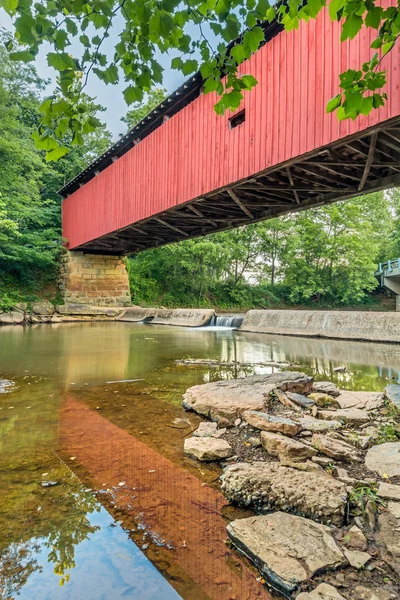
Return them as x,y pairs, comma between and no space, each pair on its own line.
366,162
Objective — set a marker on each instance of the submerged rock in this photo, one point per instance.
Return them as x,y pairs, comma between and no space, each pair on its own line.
384,459
231,398
285,448
335,448
207,448
267,422
324,591
288,550
272,485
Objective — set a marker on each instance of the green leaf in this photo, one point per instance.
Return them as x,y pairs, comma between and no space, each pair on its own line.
10,6
24,26
334,103
57,153
270,14
351,27
249,81
133,94
177,63
109,75
23,55
335,7
61,39
239,53
374,16
253,38
84,39
367,105
377,100
71,26
60,61
190,66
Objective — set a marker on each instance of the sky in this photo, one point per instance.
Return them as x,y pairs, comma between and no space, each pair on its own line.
109,96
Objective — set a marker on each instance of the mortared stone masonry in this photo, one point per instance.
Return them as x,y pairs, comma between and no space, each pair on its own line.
94,279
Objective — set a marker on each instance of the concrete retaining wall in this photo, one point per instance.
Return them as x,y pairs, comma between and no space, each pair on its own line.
135,314
369,326
186,317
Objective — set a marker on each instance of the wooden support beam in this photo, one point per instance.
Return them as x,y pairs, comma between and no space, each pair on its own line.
143,232
240,203
296,196
162,222
370,158
198,212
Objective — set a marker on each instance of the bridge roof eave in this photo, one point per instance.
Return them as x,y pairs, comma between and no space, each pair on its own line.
181,97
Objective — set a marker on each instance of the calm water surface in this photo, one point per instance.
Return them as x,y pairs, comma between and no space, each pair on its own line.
96,410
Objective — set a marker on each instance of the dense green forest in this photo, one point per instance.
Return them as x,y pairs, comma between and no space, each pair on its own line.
321,257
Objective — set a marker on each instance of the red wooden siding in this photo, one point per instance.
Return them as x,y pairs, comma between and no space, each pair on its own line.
195,152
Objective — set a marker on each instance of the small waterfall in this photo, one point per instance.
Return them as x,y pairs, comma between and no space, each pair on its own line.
231,321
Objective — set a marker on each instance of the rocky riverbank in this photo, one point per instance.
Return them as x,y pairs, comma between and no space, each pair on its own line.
320,468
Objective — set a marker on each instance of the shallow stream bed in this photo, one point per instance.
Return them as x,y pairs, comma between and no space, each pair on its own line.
97,500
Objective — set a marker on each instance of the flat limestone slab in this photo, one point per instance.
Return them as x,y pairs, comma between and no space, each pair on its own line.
207,449
230,399
266,486
308,423
384,459
392,393
362,400
285,448
288,550
353,416
267,422
389,491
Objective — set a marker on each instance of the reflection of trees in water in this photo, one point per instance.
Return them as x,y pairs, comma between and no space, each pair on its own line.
59,526
17,563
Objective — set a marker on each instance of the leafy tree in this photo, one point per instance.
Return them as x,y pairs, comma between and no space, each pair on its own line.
332,251
30,225
186,31
140,109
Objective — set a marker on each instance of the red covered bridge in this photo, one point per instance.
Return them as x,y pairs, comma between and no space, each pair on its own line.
184,171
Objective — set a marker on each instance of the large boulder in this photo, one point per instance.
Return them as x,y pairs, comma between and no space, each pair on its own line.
285,448
207,448
384,459
271,485
42,307
231,398
288,550
267,422
13,317
335,448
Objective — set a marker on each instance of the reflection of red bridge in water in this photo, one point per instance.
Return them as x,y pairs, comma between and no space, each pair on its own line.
174,505
184,171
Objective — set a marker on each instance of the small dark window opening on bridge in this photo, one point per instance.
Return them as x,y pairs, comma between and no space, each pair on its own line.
237,119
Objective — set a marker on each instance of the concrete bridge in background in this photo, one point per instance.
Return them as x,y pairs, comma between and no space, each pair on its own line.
388,275
184,171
